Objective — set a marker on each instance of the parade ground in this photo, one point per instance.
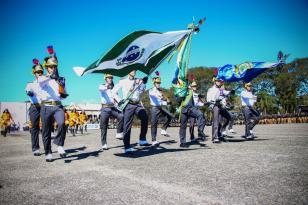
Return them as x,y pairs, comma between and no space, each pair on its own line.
272,169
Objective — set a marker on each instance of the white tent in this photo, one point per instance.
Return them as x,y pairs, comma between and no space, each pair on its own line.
18,110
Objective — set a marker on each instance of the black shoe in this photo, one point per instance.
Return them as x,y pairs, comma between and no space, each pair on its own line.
184,145
36,154
63,155
193,140
222,139
202,136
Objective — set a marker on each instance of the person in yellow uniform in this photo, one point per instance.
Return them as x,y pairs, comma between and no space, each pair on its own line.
5,122
73,120
82,121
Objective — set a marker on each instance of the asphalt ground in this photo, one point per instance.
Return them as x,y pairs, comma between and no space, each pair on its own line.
272,169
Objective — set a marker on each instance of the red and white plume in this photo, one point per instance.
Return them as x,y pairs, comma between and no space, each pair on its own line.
35,61
50,50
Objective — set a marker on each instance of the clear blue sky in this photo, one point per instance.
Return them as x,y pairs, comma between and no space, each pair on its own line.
81,31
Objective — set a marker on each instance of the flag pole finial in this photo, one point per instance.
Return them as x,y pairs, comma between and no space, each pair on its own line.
196,27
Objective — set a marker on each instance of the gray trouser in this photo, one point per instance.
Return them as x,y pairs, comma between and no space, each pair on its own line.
106,112
231,122
192,127
224,119
34,113
252,118
129,112
156,113
47,115
193,112
218,124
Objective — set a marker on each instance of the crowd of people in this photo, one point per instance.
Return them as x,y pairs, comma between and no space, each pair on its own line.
75,121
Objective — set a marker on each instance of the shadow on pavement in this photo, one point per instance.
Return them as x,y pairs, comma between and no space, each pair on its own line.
196,143
260,139
244,140
74,150
235,140
153,150
70,158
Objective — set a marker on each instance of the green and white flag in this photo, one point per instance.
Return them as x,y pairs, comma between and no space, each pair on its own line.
140,50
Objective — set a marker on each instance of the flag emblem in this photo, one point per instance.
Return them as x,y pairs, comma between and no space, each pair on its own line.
133,54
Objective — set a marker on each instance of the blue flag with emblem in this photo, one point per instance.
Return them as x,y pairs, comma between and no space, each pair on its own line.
243,72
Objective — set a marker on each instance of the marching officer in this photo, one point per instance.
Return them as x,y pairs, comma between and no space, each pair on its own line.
52,108
226,116
132,88
216,97
198,102
108,109
187,110
33,91
251,115
157,100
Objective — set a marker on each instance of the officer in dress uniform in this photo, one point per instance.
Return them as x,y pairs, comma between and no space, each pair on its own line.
187,110
229,106
216,97
108,109
132,88
33,91
52,108
251,115
198,103
225,115
157,100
